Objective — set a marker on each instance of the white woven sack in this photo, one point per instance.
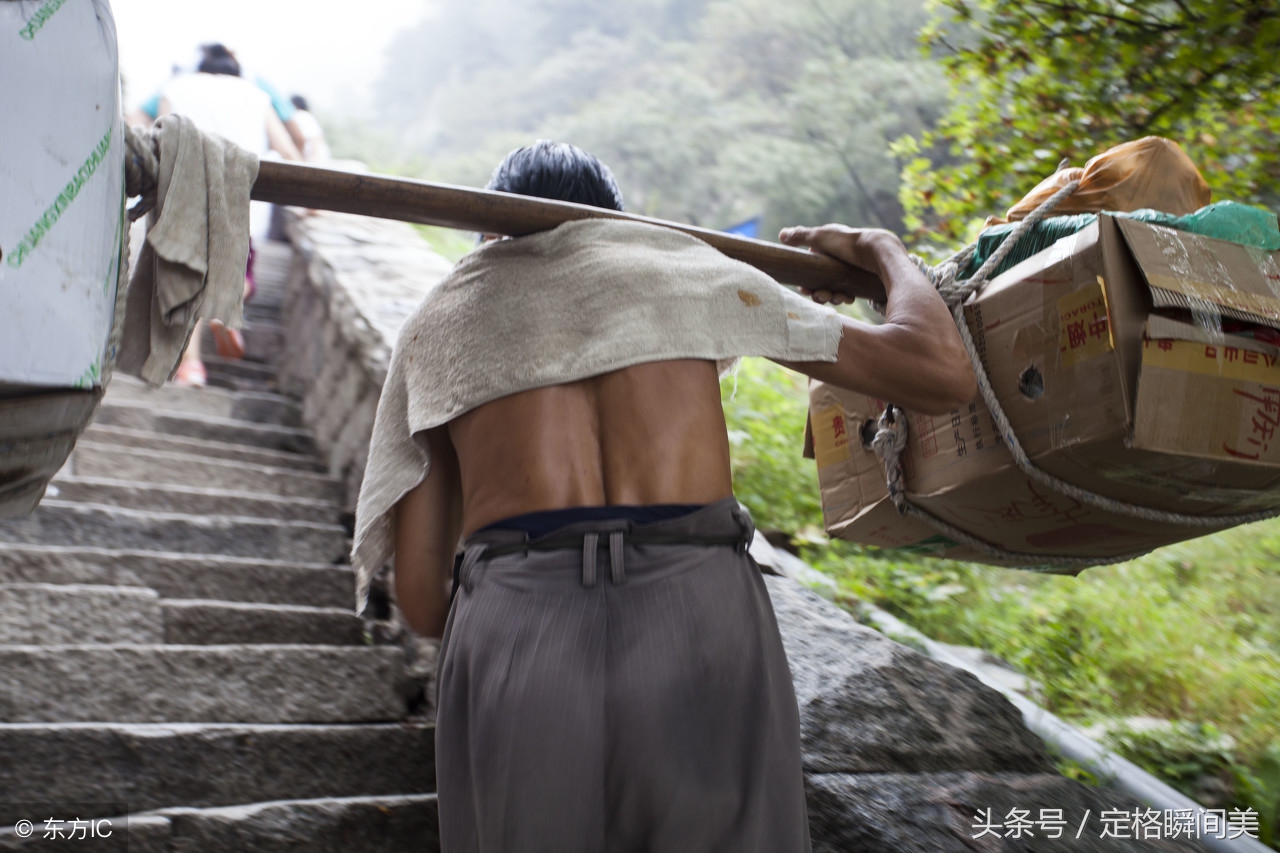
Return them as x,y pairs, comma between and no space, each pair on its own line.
62,186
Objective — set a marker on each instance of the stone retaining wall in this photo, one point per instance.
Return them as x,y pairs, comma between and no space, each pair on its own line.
353,283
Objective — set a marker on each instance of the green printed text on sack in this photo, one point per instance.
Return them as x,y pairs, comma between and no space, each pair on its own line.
61,203
40,18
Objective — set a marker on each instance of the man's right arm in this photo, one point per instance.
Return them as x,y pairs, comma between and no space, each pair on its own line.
428,524
914,359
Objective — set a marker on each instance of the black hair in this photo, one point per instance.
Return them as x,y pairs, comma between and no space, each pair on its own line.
216,59
300,102
560,171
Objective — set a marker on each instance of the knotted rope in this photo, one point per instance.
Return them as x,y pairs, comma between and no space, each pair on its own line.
891,433
141,167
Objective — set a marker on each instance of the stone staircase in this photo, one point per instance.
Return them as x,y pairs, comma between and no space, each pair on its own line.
177,634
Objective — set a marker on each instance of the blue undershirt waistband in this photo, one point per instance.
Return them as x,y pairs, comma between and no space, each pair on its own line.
539,524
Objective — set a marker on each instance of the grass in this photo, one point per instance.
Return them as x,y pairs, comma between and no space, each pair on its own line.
1188,633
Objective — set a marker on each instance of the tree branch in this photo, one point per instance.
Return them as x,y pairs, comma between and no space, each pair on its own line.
1184,90
1119,19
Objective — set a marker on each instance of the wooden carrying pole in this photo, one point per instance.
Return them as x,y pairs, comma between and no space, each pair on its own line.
491,212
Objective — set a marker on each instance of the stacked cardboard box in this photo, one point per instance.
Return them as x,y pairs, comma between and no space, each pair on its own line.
1157,409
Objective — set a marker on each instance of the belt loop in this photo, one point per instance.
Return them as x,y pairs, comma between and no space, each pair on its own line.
467,571
742,515
618,574
590,542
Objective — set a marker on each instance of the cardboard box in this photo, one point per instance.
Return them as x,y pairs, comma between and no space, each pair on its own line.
1100,391
62,185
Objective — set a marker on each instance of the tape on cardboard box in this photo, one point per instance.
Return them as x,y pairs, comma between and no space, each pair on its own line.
1188,271
1161,327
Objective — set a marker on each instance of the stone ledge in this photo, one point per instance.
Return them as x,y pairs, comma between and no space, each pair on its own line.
353,283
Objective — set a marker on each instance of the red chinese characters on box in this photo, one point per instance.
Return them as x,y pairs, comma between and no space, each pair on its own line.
1244,356
926,433
1262,412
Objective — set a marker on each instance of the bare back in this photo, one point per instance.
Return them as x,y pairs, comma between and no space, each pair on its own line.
649,434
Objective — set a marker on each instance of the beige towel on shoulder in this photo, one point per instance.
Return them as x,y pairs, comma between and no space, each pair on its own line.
193,262
586,298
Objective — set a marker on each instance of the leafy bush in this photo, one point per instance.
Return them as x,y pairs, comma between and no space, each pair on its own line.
1194,758
765,408
1258,788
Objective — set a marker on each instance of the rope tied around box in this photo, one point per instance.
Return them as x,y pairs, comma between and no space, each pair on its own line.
891,430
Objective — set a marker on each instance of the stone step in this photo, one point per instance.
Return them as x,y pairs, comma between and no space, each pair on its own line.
144,416
160,766
73,614
263,342
41,614
196,622
215,684
240,369
91,459
240,375
188,500
405,824
272,262
396,824
58,522
254,406
182,576
157,441
216,379
263,310
236,383
263,337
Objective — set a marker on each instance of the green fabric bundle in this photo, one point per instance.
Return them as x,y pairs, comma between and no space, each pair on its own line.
1223,220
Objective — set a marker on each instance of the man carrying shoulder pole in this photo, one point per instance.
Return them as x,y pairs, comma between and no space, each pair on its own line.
611,674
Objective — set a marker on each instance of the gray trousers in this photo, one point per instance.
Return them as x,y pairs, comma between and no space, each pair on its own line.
623,690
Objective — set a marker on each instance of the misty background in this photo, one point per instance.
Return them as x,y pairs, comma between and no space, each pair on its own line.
709,111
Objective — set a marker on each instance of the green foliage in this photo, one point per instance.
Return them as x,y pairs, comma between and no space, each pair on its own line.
765,409
1258,788
1182,754
1036,81
1199,761
1077,772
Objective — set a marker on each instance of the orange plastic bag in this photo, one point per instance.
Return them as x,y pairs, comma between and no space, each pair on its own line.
1152,172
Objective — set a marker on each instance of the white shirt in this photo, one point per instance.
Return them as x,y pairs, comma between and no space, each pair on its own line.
316,149
231,107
